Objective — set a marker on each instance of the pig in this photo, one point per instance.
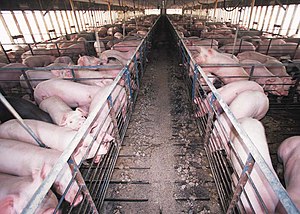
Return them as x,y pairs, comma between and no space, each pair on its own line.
88,77
51,135
99,48
15,191
62,114
125,46
118,35
65,90
22,159
102,31
263,76
11,76
38,61
89,61
74,49
256,133
122,56
254,104
64,59
239,47
254,56
226,74
25,109
35,77
53,52
288,154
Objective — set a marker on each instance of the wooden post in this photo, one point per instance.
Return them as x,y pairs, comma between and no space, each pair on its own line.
252,6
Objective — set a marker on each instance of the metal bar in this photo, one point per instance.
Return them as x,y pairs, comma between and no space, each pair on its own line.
37,25
271,15
73,10
52,25
293,19
264,19
252,6
6,27
59,27
285,14
4,51
63,21
68,22
18,26
28,26
21,121
46,27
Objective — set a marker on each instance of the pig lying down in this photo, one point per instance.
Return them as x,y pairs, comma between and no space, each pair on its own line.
62,114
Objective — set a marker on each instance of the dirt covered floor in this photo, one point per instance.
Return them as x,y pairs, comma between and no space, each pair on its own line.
162,167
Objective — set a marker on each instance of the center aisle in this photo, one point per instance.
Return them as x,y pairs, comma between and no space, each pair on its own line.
162,167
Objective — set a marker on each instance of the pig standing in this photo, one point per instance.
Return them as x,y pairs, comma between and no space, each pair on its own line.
62,114
38,61
256,133
288,154
226,74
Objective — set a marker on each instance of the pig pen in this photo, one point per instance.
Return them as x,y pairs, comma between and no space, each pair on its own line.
110,116
216,123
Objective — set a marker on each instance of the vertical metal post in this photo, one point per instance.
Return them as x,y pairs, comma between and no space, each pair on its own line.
109,8
73,10
129,82
195,77
215,9
241,183
28,26
80,181
136,71
18,26
251,12
37,25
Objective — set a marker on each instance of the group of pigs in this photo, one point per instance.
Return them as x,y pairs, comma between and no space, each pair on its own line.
249,104
249,65
68,103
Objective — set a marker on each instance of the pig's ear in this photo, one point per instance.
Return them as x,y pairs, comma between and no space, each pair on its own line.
83,112
63,121
7,204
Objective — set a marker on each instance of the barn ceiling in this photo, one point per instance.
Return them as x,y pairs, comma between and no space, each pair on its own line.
129,4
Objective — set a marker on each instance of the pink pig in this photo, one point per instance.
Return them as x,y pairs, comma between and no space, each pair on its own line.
62,114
